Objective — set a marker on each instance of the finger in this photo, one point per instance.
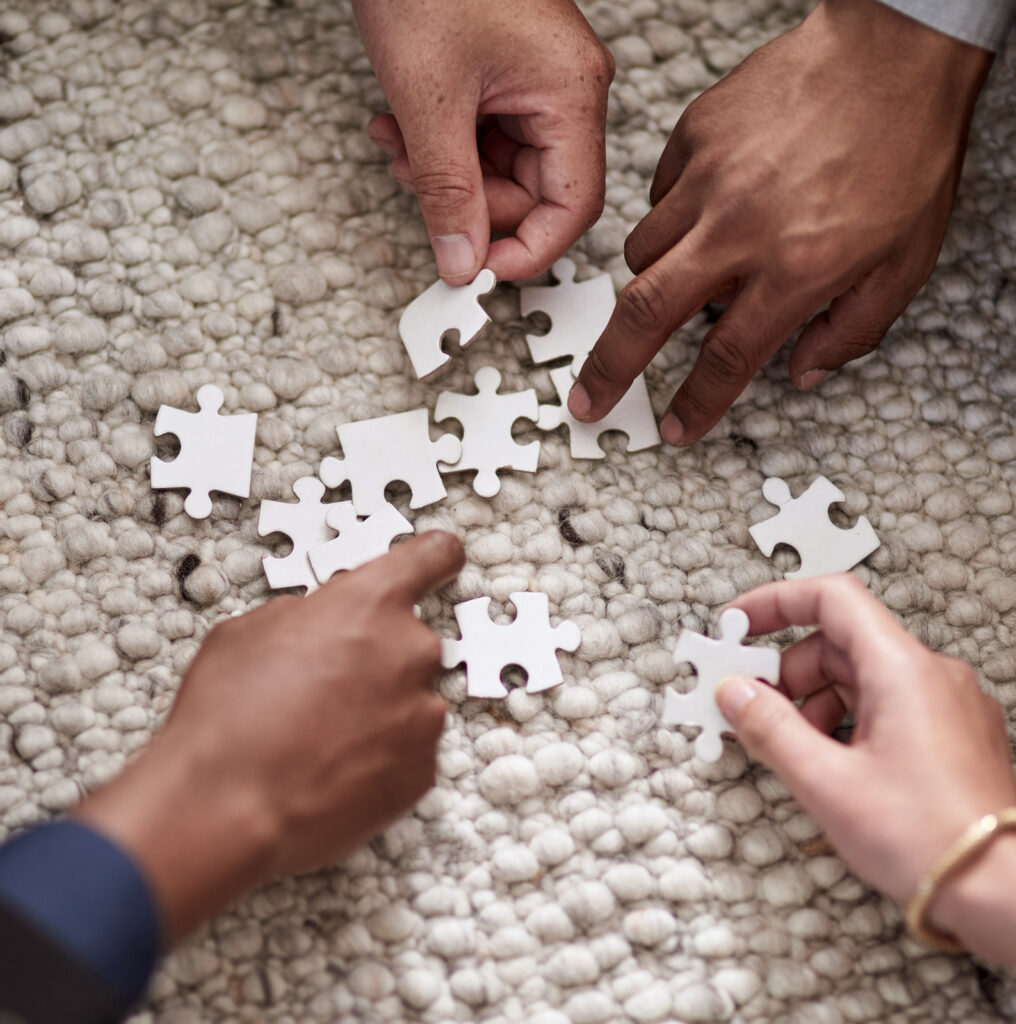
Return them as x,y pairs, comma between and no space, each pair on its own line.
854,325
508,202
649,309
444,165
773,731
812,664
385,133
733,351
413,569
661,229
824,710
676,155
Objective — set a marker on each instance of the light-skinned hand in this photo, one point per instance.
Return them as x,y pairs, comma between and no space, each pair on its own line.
928,755
497,124
822,170
299,732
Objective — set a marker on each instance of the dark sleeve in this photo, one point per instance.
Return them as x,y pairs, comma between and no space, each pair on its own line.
79,927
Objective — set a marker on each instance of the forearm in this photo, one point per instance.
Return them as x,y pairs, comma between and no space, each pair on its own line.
983,23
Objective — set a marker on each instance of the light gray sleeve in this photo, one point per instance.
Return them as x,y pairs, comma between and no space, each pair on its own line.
984,23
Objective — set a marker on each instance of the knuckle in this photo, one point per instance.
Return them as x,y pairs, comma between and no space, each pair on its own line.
446,188
642,305
726,355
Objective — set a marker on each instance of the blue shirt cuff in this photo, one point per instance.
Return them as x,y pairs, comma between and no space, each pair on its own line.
88,897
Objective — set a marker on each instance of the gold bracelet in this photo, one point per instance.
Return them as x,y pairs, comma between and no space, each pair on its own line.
964,850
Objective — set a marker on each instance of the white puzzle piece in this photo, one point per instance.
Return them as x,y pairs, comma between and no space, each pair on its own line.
440,309
714,661
529,642
216,452
357,542
380,451
487,419
804,524
633,416
305,523
579,312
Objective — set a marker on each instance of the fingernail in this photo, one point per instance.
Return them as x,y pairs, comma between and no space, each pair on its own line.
454,254
579,402
733,694
812,379
385,145
672,429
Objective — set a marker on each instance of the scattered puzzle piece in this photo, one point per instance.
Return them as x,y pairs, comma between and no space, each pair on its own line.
804,524
380,451
487,419
578,311
305,523
357,542
529,642
633,416
440,309
216,452
714,661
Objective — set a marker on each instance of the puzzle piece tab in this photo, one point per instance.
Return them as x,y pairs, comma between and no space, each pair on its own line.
216,452
358,542
804,524
438,310
487,419
578,311
305,523
633,415
529,642
714,661
380,451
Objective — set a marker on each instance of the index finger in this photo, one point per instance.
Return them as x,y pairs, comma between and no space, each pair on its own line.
413,569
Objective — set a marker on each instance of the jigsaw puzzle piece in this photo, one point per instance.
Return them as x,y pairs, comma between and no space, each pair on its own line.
803,523
578,311
216,452
357,542
633,416
487,419
438,310
380,451
305,523
714,661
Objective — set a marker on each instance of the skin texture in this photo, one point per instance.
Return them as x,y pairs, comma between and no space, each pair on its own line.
821,171
299,732
497,124
928,756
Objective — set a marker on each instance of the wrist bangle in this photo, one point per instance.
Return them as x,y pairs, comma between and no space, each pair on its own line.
957,856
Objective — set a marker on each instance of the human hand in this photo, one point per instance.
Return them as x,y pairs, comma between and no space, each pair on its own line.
927,758
300,731
536,76
822,170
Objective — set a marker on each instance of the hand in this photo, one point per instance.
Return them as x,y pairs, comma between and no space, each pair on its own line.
927,758
536,76
822,170
299,732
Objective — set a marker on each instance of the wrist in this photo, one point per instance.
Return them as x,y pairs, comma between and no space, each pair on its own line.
200,836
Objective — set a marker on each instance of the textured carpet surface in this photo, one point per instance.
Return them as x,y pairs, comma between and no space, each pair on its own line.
187,195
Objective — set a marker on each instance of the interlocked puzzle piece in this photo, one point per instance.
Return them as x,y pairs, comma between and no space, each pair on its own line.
216,452
633,416
357,542
578,311
529,642
804,524
305,523
714,661
380,451
440,309
487,419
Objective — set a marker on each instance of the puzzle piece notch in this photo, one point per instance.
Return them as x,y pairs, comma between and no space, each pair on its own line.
305,523
216,452
487,419
438,310
380,451
633,416
358,542
530,642
803,523
714,661
579,312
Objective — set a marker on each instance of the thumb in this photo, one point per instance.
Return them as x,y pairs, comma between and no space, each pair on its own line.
444,165
774,732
